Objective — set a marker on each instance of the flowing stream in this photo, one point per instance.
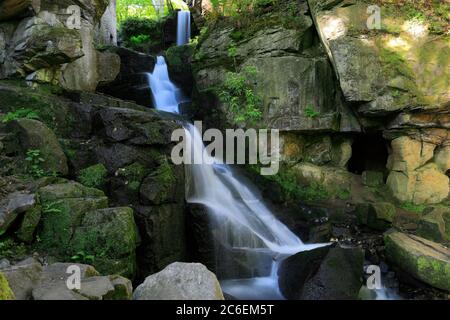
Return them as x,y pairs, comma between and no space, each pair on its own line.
249,241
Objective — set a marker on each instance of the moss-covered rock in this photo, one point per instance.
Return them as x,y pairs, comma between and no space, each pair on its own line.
29,224
435,225
378,216
110,236
5,291
421,258
94,176
34,135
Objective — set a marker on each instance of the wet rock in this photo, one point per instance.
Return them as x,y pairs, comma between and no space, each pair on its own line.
295,271
421,258
339,276
325,273
180,281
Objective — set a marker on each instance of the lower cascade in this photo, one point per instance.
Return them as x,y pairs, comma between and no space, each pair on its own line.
245,230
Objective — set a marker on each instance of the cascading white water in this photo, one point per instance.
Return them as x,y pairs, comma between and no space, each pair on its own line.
183,27
166,96
246,225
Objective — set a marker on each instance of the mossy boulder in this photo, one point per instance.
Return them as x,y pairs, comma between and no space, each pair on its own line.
34,135
435,225
76,223
378,216
161,186
110,236
5,291
93,176
421,258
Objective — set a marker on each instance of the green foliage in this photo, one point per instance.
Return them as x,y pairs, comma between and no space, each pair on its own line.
34,163
343,194
139,40
238,94
20,113
411,207
82,257
52,207
11,250
93,176
141,34
134,174
311,113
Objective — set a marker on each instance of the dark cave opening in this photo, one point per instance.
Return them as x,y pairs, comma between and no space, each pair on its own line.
369,152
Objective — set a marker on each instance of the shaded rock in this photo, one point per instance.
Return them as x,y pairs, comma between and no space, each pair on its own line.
297,269
13,8
180,281
378,216
34,135
435,225
162,231
339,276
442,158
131,83
14,204
29,223
5,291
162,186
421,258
325,273
110,235
372,178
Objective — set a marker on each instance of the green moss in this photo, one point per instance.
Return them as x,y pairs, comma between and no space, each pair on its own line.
134,174
94,176
411,207
5,291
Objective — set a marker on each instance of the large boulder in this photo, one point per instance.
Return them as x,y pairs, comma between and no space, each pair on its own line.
76,219
435,224
378,216
180,281
421,258
23,277
34,135
325,273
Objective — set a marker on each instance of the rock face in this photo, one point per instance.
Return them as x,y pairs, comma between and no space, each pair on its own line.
322,274
13,205
43,41
180,281
425,260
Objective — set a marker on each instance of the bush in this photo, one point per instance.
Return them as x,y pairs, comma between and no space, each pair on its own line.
142,34
93,176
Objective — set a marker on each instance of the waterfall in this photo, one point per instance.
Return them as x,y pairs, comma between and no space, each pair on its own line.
250,241
183,27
